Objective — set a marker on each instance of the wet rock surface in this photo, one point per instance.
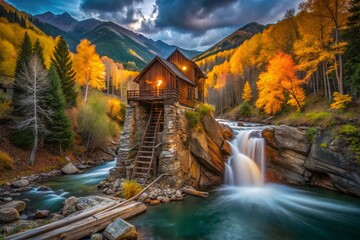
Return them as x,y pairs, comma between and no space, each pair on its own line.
326,162
120,229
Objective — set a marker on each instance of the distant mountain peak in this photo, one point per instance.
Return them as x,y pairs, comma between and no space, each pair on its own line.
62,21
234,40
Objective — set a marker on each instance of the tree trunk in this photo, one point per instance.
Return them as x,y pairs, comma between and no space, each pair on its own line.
86,91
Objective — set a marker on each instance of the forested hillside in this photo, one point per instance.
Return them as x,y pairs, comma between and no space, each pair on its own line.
311,51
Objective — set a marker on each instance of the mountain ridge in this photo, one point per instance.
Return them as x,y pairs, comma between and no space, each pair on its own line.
110,38
233,40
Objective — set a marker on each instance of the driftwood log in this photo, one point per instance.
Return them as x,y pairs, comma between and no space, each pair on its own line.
195,192
83,227
87,222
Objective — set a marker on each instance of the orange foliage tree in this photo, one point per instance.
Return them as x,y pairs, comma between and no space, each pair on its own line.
90,71
247,92
278,84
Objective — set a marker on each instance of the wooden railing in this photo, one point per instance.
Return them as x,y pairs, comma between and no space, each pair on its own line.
152,94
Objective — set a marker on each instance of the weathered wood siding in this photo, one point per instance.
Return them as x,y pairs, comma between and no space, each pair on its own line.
180,61
154,73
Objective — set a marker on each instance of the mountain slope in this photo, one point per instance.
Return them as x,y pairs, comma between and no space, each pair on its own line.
112,40
234,40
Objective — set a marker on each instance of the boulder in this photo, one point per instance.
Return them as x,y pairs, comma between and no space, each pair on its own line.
120,229
42,213
165,200
18,205
91,201
70,169
20,183
43,189
213,129
69,206
97,236
227,132
8,214
154,202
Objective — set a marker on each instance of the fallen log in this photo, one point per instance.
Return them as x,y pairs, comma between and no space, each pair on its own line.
195,192
60,223
92,224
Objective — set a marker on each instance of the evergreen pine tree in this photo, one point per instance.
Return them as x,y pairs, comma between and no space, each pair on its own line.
39,51
59,131
63,64
23,58
352,56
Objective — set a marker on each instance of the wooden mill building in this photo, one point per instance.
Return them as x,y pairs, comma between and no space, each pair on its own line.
167,88
176,78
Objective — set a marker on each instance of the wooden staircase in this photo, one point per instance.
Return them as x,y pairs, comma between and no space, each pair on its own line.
145,160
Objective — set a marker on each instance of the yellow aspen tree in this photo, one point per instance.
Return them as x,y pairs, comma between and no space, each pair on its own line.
89,69
247,92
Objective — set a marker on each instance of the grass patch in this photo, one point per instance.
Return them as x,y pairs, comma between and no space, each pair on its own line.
130,188
193,118
317,116
311,134
204,108
6,162
351,135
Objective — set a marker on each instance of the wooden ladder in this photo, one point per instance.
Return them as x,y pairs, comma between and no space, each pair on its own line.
145,160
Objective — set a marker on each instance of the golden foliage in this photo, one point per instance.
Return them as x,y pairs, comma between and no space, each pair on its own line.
279,84
6,162
247,92
116,110
89,69
130,188
11,35
340,100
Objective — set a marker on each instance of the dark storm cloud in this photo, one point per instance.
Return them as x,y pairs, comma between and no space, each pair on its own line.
199,16
107,5
201,23
120,11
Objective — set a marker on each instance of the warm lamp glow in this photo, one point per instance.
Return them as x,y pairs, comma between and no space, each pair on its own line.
159,82
184,68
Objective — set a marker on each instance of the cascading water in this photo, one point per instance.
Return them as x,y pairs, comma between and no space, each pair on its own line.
246,165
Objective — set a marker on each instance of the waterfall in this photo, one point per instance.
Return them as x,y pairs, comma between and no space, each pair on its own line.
246,165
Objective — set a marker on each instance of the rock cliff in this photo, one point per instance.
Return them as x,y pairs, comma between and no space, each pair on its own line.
326,161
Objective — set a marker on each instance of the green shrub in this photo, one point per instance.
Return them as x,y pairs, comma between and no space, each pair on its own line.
352,138
245,110
6,162
22,138
317,116
193,118
130,188
311,134
324,145
204,108
94,124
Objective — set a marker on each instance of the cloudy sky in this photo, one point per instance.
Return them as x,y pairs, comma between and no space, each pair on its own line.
192,24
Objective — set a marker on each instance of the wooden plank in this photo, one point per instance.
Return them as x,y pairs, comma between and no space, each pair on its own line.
59,223
195,192
93,224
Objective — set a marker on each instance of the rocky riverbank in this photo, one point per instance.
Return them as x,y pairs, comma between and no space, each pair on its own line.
301,155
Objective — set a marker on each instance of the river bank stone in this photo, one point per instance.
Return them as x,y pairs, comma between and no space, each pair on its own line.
42,213
18,226
8,214
20,183
120,229
69,206
70,169
18,205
